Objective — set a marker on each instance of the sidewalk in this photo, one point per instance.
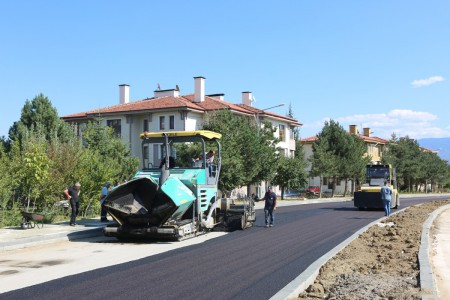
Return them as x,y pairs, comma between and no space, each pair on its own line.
15,237
433,258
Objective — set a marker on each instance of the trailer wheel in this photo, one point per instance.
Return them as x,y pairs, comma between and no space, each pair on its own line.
244,221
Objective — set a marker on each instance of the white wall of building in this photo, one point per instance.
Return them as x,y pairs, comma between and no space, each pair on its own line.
194,121
287,143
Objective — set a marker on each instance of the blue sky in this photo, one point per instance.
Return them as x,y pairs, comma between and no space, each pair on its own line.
378,64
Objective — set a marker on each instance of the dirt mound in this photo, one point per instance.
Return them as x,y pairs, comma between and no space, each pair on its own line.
382,263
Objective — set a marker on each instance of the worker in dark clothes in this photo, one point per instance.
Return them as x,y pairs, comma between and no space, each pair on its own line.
270,205
72,193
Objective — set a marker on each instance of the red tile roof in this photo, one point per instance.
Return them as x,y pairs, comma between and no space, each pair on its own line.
428,150
261,112
141,105
186,101
212,103
369,139
308,140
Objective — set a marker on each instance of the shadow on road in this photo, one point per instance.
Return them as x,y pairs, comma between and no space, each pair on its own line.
341,208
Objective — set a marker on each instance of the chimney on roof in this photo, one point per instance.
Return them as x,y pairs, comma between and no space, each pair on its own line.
199,95
366,132
217,96
247,98
166,93
124,93
353,129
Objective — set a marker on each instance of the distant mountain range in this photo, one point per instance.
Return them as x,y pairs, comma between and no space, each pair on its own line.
442,145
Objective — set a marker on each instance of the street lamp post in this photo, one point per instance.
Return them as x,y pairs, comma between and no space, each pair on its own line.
258,123
281,104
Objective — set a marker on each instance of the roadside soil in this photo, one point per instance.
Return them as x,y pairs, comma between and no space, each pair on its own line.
382,263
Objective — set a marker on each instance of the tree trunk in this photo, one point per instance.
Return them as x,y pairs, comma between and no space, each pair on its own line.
87,209
333,187
282,193
28,199
346,186
320,187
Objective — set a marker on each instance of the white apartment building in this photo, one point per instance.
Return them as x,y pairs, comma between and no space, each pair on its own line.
170,111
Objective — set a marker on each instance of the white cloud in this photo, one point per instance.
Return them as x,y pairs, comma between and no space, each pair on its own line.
407,114
402,122
425,82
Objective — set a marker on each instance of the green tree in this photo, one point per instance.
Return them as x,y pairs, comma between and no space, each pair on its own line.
9,213
353,161
105,158
39,115
300,151
249,153
403,154
35,170
290,174
65,158
337,155
113,152
296,131
325,158
433,170
43,155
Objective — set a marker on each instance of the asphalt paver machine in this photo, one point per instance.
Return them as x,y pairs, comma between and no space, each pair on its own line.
175,195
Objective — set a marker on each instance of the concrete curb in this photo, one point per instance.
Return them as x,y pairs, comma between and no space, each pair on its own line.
427,282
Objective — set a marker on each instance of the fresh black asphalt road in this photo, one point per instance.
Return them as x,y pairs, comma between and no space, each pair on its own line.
251,264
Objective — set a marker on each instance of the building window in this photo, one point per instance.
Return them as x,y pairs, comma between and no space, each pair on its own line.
330,184
146,152
171,122
162,123
281,133
116,126
146,156
145,125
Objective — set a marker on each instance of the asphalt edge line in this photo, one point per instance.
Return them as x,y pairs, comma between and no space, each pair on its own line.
427,282
307,277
